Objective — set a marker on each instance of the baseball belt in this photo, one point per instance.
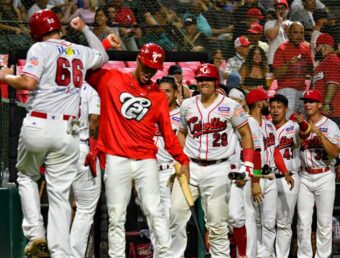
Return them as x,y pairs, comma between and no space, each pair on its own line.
205,163
316,170
164,166
50,116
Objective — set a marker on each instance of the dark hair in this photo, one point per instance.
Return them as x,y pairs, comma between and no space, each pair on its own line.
102,10
249,60
168,79
279,98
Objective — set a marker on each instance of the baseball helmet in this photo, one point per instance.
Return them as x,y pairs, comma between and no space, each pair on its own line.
152,56
207,71
43,22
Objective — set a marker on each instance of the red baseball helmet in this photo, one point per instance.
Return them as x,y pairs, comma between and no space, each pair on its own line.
152,55
43,22
207,71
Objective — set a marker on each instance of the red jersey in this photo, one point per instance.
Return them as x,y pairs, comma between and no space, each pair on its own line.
327,72
125,16
295,75
129,113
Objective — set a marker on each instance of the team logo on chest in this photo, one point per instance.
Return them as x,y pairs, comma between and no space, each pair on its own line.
197,128
286,142
269,141
312,143
134,107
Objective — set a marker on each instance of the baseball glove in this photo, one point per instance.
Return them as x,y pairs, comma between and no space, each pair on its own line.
37,249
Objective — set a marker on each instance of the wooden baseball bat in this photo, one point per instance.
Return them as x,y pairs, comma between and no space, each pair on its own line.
183,182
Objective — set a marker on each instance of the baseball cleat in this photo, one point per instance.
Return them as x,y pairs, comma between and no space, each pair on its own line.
37,249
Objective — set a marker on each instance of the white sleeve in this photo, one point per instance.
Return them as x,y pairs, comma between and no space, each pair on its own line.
269,25
93,102
35,61
183,123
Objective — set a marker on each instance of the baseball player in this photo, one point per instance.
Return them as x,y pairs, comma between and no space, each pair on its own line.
317,178
207,133
54,72
241,208
86,186
257,101
287,134
131,105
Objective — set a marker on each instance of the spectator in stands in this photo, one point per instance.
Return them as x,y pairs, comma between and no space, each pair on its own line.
219,61
297,5
326,76
86,12
254,34
254,69
183,90
292,62
192,39
9,12
231,73
305,16
271,14
275,30
39,5
125,17
266,5
320,17
203,25
252,15
221,22
60,13
101,30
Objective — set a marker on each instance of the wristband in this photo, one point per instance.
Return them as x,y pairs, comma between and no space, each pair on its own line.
106,44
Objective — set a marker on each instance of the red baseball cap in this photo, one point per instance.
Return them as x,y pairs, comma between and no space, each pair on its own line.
254,13
313,95
255,28
326,39
256,95
241,42
284,2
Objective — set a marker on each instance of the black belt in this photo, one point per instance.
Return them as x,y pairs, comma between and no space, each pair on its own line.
204,163
281,175
164,166
84,141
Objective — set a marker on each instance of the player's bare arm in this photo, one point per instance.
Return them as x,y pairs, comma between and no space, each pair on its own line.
331,91
19,82
93,125
332,149
181,135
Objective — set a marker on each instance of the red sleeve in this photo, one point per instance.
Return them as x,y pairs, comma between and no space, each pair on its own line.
309,57
93,77
257,164
170,139
279,58
332,75
279,162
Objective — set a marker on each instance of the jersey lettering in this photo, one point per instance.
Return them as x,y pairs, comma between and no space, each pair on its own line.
220,139
313,143
197,128
269,141
63,74
134,107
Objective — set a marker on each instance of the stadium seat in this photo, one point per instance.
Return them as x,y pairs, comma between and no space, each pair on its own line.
166,65
132,64
126,69
188,74
159,75
192,65
114,64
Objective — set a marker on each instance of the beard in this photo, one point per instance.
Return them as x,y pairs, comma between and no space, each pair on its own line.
265,111
318,55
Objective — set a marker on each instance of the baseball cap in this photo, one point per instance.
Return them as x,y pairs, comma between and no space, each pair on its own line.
256,95
236,93
254,13
283,2
313,95
255,28
241,42
189,20
175,69
326,39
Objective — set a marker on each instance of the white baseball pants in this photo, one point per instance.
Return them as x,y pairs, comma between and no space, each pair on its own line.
118,178
318,189
86,190
213,185
266,219
284,214
46,142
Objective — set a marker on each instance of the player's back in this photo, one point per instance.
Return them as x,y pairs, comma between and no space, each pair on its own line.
59,67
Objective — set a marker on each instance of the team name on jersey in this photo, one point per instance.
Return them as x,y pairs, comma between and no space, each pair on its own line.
312,143
286,142
134,107
197,128
270,140
68,51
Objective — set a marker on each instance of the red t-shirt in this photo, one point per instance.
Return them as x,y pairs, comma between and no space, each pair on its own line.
328,72
129,113
295,75
125,17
